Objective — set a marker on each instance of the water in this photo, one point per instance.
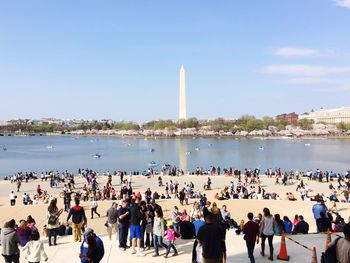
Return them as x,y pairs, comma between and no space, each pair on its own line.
61,153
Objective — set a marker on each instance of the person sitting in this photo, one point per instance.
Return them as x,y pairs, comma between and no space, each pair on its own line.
187,230
197,222
323,223
302,227
287,225
291,197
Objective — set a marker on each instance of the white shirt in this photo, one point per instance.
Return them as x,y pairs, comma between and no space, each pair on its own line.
268,226
12,196
35,249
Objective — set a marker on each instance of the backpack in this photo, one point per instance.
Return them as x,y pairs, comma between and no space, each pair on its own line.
330,255
54,217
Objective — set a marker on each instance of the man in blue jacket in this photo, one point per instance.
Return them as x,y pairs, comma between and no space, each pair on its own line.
84,246
317,209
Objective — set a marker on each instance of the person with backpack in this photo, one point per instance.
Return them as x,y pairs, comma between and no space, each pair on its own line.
339,250
78,220
52,216
92,248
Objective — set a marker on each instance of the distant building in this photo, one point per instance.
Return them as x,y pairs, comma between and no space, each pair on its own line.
340,115
290,118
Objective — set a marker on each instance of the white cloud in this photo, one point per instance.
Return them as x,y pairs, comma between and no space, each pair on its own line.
296,52
310,80
303,70
342,3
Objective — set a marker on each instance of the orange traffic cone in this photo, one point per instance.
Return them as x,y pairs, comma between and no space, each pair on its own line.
314,256
329,238
283,251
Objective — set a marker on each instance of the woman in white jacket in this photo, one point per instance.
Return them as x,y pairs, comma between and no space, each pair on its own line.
52,225
35,249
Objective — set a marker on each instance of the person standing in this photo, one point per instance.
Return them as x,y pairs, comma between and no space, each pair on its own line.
94,206
266,231
52,216
35,248
135,228
112,220
343,246
78,220
317,209
212,239
12,199
123,225
251,235
10,242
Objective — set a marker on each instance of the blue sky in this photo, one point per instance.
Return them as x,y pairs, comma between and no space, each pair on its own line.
121,59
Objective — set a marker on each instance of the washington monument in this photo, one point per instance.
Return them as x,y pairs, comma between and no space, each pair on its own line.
182,97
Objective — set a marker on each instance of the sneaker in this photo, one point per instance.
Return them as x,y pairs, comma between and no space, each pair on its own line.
122,248
133,251
175,254
140,254
147,248
155,255
166,256
142,249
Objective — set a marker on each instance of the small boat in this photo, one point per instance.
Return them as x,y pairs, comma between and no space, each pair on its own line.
188,153
152,150
49,147
261,148
152,164
307,144
197,148
97,156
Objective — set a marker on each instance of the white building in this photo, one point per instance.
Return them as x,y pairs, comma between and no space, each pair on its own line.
340,115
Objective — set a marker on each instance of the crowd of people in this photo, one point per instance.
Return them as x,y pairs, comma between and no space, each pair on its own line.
140,225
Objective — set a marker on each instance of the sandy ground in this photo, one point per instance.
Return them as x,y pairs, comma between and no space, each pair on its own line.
238,209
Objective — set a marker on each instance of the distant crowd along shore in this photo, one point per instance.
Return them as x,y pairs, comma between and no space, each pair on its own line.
248,186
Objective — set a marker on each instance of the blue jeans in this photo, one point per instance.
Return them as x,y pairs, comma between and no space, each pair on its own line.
158,240
143,229
122,234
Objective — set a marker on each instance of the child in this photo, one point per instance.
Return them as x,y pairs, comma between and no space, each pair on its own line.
170,234
149,232
35,248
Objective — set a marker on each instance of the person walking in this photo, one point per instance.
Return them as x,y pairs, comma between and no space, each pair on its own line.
35,249
266,231
251,235
170,234
52,216
77,213
123,225
94,206
10,242
158,233
211,237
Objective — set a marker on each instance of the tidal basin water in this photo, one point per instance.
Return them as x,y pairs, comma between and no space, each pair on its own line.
128,154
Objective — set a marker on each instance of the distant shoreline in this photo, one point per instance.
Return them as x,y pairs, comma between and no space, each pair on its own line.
234,136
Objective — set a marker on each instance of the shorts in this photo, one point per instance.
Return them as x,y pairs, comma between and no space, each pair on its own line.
135,231
112,227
